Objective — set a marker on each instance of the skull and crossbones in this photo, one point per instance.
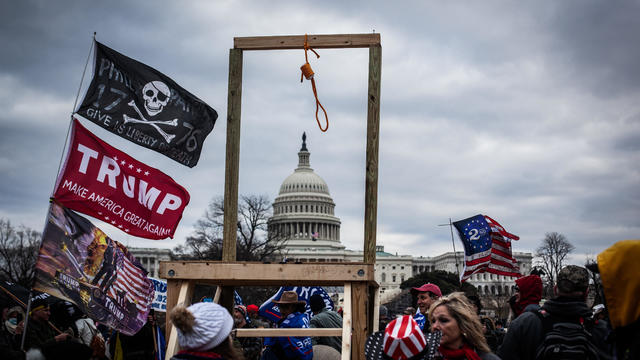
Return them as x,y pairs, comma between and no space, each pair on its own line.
156,95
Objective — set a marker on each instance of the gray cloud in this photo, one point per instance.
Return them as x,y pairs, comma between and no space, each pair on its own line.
524,112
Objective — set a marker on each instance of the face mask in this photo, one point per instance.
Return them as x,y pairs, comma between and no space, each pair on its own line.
13,321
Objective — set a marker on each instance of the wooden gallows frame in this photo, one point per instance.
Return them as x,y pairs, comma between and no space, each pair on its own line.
360,316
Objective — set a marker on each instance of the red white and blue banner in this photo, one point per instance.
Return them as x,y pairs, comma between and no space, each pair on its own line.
269,310
144,106
106,183
160,298
487,247
79,263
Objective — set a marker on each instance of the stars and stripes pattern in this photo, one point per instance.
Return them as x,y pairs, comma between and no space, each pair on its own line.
132,282
403,338
487,247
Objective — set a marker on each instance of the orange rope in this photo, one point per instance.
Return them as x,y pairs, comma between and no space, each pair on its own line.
307,72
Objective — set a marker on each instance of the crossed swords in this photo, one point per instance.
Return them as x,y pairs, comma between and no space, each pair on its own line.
167,137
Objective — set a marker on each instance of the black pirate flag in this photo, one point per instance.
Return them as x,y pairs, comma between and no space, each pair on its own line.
142,105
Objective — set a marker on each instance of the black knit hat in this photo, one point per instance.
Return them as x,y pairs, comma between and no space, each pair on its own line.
39,304
316,303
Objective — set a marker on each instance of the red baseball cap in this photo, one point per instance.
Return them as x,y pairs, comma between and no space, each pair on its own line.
252,309
432,288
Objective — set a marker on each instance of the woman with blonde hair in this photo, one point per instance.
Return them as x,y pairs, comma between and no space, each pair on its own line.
462,333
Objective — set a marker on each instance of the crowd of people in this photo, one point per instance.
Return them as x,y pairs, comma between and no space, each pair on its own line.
440,326
562,327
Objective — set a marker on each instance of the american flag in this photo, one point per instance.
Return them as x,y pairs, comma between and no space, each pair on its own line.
315,235
132,283
487,247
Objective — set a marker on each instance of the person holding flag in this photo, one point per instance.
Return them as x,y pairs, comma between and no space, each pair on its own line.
9,343
293,316
142,345
39,332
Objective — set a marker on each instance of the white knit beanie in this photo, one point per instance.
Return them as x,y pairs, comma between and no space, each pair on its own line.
210,325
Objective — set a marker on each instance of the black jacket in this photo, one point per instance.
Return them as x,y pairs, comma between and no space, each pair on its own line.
525,333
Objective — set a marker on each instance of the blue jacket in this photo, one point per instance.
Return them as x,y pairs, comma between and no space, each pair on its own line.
292,347
420,319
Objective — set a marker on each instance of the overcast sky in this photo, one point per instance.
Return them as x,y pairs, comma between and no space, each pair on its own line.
528,112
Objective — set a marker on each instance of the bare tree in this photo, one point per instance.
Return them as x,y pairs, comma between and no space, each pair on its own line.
552,254
254,242
18,253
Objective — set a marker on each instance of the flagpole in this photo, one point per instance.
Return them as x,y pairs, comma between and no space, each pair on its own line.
155,341
26,323
75,103
455,254
27,316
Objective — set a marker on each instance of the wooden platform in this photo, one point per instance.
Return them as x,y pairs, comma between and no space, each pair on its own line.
357,278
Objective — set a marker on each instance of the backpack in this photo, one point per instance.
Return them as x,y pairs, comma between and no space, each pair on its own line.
565,340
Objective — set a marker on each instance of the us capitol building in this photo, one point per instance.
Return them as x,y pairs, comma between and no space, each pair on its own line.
304,214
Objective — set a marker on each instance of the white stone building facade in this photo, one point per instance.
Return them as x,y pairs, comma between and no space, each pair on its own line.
150,258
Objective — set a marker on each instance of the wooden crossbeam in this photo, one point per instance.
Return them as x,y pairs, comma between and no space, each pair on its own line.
264,332
258,274
315,41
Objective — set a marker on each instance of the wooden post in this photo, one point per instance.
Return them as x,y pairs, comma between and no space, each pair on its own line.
232,157
184,298
173,290
375,293
232,163
363,322
359,305
373,130
346,323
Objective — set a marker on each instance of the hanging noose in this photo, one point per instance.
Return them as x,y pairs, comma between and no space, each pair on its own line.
307,73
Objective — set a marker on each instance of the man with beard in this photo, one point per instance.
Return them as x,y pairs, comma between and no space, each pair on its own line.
251,346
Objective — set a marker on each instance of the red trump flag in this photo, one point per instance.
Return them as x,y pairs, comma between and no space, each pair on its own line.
102,181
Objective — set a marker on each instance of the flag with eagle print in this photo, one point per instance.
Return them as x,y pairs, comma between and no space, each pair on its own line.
79,263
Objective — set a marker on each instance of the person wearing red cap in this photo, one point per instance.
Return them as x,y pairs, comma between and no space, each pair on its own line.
425,296
252,311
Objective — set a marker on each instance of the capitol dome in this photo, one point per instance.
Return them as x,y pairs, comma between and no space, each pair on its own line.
303,211
304,180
